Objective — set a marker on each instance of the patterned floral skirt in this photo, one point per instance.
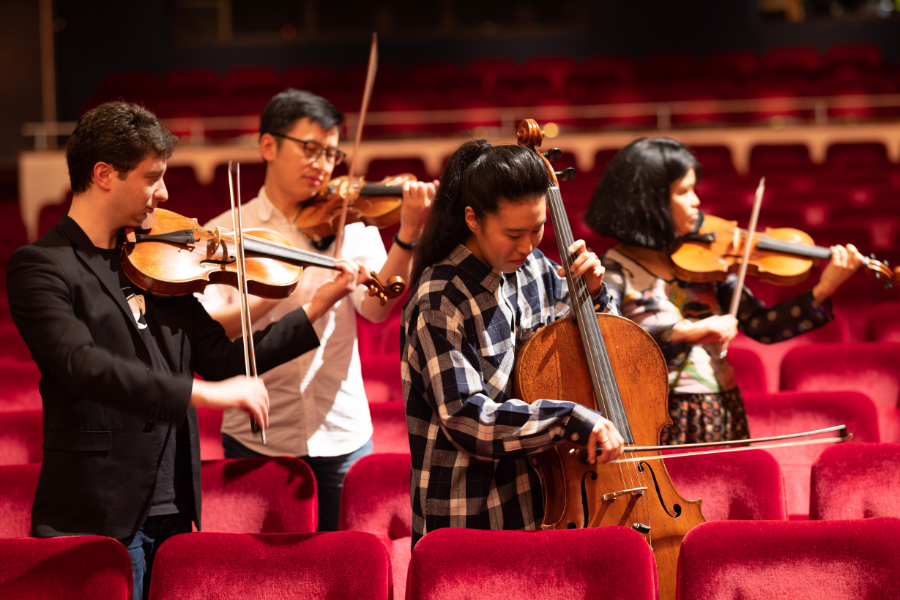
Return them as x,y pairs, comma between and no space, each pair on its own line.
700,418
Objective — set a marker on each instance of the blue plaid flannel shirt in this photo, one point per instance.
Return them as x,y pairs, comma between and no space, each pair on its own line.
469,439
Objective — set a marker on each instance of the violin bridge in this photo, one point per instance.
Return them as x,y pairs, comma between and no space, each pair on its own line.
638,491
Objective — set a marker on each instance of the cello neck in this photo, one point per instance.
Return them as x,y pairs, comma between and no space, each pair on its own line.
603,380
773,245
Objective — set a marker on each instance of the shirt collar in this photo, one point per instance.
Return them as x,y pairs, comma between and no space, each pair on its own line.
476,267
266,208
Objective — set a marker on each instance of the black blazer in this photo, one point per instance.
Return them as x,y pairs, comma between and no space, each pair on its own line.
106,413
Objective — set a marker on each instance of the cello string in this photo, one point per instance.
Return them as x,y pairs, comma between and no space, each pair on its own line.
582,304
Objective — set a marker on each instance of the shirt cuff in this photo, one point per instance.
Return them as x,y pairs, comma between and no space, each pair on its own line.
581,423
603,301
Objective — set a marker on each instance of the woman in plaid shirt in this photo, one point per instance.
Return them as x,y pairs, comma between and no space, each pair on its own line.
480,289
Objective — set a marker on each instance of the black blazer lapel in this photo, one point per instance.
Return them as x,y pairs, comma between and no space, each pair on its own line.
168,334
88,254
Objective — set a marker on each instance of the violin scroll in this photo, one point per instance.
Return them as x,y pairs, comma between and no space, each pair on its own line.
395,286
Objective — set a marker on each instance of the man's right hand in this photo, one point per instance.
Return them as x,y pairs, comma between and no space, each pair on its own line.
237,392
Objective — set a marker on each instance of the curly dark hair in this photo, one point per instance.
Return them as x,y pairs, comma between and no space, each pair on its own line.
632,202
477,175
118,133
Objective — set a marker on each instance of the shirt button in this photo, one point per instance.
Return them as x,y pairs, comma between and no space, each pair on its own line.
575,436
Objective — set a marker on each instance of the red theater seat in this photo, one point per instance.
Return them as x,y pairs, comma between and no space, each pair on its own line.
883,323
21,437
389,427
375,500
772,355
869,368
74,568
791,157
856,481
748,369
259,495
343,564
734,486
793,412
602,563
17,486
19,381
210,425
852,156
833,560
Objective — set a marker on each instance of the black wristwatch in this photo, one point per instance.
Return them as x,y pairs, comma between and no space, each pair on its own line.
404,245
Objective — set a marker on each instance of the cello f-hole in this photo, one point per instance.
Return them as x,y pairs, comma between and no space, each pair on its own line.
676,508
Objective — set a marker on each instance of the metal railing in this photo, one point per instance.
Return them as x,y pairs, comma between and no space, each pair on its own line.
507,118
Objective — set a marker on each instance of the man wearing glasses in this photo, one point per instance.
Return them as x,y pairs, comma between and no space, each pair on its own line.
318,409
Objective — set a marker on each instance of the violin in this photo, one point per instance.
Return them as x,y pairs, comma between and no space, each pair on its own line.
782,256
569,359
176,257
376,204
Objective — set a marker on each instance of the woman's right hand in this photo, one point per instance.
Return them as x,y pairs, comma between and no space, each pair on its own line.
720,329
605,443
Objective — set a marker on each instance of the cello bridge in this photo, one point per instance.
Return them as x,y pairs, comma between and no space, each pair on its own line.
638,491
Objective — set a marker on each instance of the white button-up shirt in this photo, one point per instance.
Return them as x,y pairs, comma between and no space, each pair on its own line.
317,403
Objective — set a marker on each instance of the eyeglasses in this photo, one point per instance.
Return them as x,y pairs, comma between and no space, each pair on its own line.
314,149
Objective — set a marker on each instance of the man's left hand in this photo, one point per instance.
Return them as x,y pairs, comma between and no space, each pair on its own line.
417,197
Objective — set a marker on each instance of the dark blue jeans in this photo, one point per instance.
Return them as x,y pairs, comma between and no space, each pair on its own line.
142,547
328,470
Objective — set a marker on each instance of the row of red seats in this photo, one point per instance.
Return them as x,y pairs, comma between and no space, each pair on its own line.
741,494
768,415
552,80
834,560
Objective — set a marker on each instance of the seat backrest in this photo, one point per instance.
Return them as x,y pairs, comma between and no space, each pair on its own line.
21,437
497,565
740,485
816,560
772,355
17,486
375,499
389,432
342,564
75,568
869,368
748,369
209,422
794,412
259,495
19,380
883,322
856,481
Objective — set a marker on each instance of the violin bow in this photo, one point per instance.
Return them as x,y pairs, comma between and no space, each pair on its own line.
744,443
351,171
238,229
751,231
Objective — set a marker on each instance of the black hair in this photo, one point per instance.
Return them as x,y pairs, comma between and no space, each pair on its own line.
118,133
633,201
291,105
477,175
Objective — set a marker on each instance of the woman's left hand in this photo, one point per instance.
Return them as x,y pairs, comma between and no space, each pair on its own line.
844,263
588,264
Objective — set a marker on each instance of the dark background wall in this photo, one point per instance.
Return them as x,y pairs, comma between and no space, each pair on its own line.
103,36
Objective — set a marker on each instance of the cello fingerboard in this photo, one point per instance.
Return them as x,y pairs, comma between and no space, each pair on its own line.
606,391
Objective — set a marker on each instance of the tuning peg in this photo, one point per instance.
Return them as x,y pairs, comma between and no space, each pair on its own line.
566,174
552,154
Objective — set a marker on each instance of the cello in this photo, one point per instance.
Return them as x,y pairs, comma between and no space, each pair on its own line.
609,364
